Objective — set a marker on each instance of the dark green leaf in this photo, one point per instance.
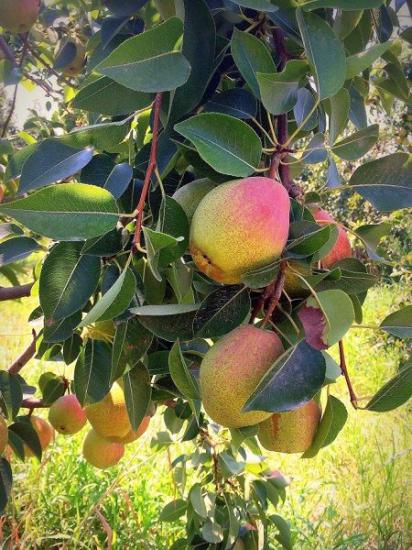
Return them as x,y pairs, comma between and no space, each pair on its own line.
358,144
149,62
291,381
27,435
67,280
339,113
106,96
181,376
399,323
325,52
11,394
261,277
222,311
385,182
173,510
357,63
58,331
69,211
52,161
236,102
92,372
137,392
228,144
394,393
131,342
16,249
6,480
284,535
168,321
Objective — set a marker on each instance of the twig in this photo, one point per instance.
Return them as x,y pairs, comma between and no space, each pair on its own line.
275,294
33,403
344,369
149,172
262,300
8,52
25,357
14,292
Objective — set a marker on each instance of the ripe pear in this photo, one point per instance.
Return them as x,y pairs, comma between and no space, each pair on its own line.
76,64
109,416
342,247
19,16
291,432
232,369
101,453
44,431
4,434
66,415
238,227
190,195
132,435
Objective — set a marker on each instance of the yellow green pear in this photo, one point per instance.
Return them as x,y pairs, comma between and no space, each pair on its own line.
101,453
232,369
132,435
292,431
240,226
4,434
66,415
190,195
109,416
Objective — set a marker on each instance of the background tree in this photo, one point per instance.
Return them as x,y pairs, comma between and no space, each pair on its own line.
160,104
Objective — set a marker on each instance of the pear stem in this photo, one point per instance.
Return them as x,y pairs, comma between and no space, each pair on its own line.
151,168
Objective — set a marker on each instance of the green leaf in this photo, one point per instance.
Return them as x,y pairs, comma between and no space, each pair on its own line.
52,161
279,90
106,96
149,62
173,221
114,301
292,380
399,323
137,392
16,249
69,211
258,5
261,277
92,372
199,42
386,182
394,393
333,420
358,144
72,348
181,375
23,430
371,235
11,394
339,114
58,331
357,63
168,321
228,144
52,387
251,56
105,136
306,238
173,510
354,277
6,480
156,242
212,532
284,535
197,501
325,52
67,280
131,341
221,311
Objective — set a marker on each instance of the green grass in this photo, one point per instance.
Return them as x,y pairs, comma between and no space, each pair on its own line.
356,494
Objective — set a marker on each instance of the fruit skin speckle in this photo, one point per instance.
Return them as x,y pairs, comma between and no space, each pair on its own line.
231,370
240,226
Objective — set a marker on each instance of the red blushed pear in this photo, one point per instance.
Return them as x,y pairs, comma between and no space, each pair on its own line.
342,248
238,227
19,16
232,369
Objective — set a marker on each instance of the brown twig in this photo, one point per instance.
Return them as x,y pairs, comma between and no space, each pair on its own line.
33,403
276,293
8,52
262,300
14,292
344,369
25,357
149,172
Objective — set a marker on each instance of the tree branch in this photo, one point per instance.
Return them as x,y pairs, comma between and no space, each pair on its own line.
344,369
14,292
33,403
8,52
25,357
149,172
276,293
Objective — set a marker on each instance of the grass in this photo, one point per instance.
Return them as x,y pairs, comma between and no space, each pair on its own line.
356,494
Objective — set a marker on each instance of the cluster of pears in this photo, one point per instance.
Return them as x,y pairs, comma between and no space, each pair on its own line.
110,431
238,227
